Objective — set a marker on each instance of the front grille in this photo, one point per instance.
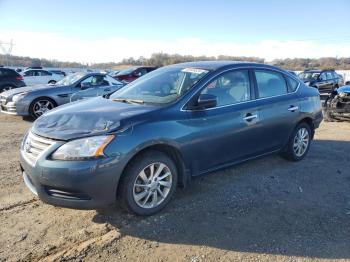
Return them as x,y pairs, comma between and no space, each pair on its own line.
34,146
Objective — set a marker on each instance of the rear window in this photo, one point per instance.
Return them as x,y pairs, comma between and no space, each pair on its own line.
270,83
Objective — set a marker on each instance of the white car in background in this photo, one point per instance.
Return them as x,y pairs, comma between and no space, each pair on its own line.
40,76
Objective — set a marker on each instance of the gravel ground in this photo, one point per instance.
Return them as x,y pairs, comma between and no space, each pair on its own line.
263,210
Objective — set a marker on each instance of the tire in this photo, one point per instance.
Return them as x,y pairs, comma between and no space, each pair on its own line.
52,82
327,116
33,110
128,191
291,152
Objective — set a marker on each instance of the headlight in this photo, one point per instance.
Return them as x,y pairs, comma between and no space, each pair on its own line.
18,97
80,149
342,94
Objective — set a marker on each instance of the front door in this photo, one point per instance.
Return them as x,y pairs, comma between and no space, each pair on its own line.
228,132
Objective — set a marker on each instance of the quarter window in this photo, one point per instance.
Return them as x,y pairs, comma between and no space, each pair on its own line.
270,83
292,84
230,87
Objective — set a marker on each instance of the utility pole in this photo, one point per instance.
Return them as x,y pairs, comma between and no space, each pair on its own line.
6,48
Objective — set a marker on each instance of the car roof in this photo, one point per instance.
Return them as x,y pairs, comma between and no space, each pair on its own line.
215,65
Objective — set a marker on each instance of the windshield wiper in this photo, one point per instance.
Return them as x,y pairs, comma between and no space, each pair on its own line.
130,101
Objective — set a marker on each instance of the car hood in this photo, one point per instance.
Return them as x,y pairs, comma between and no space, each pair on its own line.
344,89
27,89
88,117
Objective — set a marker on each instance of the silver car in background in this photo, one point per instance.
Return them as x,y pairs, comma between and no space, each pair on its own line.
36,100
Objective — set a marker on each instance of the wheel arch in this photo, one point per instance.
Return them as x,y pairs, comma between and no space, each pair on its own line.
172,152
38,98
310,122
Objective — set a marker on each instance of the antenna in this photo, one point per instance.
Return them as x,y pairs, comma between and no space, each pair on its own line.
6,48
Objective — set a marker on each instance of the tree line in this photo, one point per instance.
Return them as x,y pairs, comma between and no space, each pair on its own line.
162,59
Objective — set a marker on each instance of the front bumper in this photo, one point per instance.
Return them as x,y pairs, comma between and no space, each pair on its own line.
13,108
75,184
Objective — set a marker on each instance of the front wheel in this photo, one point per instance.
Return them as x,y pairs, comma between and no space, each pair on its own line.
40,106
52,82
299,143
148,183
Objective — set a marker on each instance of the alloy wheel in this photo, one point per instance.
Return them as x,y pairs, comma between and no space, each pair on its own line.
152,185
301,142
42,106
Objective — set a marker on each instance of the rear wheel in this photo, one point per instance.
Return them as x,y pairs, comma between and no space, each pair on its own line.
148,183
299,143
40,106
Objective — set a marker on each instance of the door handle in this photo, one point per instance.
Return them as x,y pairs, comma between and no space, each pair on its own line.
293,108
250,117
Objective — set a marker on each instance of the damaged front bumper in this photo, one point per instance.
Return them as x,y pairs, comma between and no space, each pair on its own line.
338,106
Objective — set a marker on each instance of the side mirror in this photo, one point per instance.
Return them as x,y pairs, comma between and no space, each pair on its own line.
207,101
85,85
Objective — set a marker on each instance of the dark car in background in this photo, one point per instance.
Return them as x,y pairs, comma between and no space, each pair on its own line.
323,80
10,79
157,132
36,100
130,74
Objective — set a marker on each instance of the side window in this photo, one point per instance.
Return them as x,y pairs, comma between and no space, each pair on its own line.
329,76
86,80
292,84
230,87
96,80
111,80
270,83
43,73
323,76
141,71
28,73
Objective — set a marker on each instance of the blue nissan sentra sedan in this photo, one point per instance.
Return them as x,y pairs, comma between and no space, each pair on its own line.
153,135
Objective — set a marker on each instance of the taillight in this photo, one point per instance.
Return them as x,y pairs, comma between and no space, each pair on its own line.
19,78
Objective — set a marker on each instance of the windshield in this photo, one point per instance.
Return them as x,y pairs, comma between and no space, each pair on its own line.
70,79
161,86
126,71
309,75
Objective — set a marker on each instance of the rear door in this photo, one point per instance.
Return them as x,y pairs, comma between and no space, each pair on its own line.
29,77
278,108
331,80
45,76
323,83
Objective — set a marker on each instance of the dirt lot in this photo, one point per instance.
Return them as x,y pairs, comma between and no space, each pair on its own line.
263,210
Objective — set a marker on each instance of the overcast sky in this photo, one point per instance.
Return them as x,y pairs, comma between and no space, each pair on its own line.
102,31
